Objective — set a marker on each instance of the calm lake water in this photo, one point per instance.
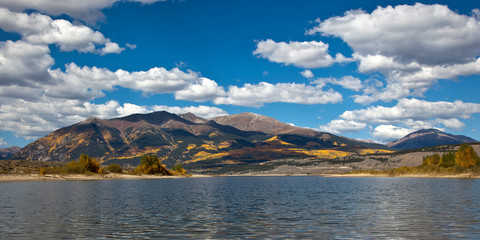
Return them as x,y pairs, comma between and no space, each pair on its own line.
242,207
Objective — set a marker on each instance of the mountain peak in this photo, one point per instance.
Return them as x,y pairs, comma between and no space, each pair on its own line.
430,130
155,118
192,117
89,120
428,138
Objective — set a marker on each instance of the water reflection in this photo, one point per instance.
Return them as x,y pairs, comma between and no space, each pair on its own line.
242,207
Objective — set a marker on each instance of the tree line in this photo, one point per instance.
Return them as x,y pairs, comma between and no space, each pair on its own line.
465,157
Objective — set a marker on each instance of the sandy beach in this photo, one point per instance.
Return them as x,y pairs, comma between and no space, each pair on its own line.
80,177
96,177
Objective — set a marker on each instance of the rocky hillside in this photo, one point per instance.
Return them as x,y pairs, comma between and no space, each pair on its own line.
428,138
190,140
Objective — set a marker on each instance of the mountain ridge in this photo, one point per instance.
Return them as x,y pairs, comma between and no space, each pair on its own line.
6,153
428,138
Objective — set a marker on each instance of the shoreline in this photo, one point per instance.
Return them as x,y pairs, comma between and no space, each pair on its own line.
82,177
450,176
112,176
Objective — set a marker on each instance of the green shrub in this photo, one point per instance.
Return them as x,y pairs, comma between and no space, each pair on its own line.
114,168
90,164
73,167
178,168
151,164
84,165
431,160
448,160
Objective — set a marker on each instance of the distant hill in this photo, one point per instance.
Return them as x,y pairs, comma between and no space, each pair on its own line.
190,140
6,153
428,138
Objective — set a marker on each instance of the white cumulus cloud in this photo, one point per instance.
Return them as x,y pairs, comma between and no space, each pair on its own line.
86,10
23,63
413,46
40,29
413,109
156,80
347,82
426,34
386,133
307,74
311,54
255,95
202,90
339,126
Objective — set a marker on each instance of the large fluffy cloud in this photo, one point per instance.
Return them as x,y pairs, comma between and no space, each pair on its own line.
202,90
311,54
86,10
255,95
426,34
413,109
388,132
157,80
413,46
90,81
347,82
343,126
40,29
22,63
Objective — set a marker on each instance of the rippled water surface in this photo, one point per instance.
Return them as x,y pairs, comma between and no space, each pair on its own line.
242,207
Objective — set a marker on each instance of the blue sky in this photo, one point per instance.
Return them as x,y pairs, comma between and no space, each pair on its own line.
361,69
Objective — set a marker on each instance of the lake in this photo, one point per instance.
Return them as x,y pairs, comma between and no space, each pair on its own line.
242,207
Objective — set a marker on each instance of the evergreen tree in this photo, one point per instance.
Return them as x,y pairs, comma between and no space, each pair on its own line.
448,160
178,168
431,160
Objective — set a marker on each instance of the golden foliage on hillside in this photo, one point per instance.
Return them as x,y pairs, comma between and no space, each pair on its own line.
275,139
139,153
225,144
208,147
326,154
373,151
202,155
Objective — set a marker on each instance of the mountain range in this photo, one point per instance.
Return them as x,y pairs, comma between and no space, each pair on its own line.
199,143
192,141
